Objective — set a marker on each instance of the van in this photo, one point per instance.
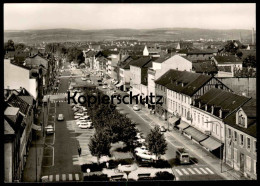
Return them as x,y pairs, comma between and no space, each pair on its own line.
182,156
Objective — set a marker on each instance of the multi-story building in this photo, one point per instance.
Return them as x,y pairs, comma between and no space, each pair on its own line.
152,50
241,139
161,66
179,89
23,77
19,117
136,75
227,65
208,113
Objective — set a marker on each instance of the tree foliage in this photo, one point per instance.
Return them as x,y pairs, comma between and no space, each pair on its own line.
156,142
9,46
250,61
164,176
99,145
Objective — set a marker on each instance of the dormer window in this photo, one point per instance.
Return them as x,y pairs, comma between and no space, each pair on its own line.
220,113
241,120
212,109
206,107
182,84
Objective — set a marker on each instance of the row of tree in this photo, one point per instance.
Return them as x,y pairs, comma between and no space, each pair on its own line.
112,126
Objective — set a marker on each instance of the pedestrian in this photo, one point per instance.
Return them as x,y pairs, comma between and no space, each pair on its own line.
79,150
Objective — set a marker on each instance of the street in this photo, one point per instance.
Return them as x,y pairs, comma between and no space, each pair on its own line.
60,152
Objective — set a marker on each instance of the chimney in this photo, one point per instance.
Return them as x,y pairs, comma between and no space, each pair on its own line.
253,38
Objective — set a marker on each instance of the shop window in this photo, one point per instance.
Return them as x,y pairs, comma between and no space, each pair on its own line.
248,163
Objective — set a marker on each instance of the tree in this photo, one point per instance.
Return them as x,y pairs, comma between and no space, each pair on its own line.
99,145
19,46
156,142
164,176
250,61
9,46
231,48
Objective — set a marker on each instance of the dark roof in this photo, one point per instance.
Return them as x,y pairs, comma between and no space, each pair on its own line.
163,58
90,53
184,82
27,99
250,108
36,61
20,65
250,130
185,44
198,51
141,62
16,101
227,59
205,66
222,99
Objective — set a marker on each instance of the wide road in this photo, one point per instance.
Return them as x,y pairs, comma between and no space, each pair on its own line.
61,147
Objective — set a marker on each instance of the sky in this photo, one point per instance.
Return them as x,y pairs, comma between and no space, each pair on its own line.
136,16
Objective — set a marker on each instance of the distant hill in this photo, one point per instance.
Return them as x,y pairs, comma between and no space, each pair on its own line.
160,34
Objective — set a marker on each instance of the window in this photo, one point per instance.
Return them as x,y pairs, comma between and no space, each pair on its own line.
255,146
241,139
207,124
202,120
185,113
235,136
248,163
235,155
254,166
217,129
229,133
248,143
198,118
194,116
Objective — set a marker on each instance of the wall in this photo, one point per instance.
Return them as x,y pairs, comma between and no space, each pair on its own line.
175,62
241,85
8,161
33,88
15,80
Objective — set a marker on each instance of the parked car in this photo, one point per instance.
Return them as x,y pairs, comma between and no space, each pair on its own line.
141,140
182,156
78,122
84,126
78,114
104,87
49,129
84,79
76,117
141,149
146,155
60,117
162,129
136,108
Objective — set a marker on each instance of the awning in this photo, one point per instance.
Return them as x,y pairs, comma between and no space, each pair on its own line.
36,127
211,144
172,120
195,134
183,125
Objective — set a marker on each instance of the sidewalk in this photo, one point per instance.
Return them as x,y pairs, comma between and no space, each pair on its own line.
227,172
35,153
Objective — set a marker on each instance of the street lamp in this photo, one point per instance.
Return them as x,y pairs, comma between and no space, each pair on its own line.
221,156
88,171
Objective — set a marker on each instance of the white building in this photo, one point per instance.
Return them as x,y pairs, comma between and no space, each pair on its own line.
17,76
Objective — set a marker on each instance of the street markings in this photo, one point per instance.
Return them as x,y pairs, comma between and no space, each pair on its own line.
193,171
209,171
57,177
179,172
64,177
205,172
185,171
70,177
197,170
